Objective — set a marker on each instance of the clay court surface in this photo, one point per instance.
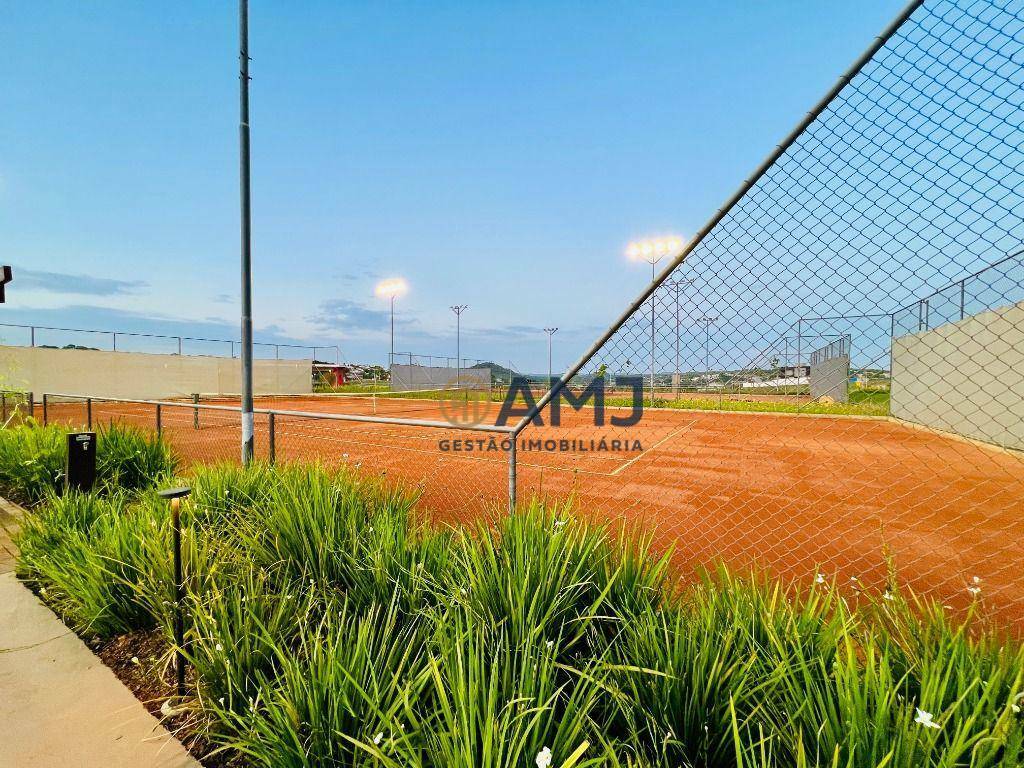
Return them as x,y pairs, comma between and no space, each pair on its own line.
798,495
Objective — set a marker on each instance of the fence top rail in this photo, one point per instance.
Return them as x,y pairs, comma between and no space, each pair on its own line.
298,414
140,334
962,281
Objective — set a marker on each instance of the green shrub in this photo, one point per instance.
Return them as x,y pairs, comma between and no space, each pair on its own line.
131,458
328,626
33,459
84,552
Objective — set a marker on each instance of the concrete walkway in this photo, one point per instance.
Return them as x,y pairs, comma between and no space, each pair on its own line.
59,705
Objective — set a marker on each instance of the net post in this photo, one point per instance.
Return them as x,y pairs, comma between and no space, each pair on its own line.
195,411
31,405
46,419
272,437
3,407
88,413
159,419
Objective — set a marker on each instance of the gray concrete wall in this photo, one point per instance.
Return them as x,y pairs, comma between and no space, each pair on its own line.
831,378
408,377
965,377
144,376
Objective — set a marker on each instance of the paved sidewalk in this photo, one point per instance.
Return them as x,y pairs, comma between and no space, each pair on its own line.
59,705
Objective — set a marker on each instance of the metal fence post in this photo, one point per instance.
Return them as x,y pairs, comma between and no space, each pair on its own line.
32,335
3,406
271,437
88,413
159,420
512,472
195,411
115,341
31,405
45,415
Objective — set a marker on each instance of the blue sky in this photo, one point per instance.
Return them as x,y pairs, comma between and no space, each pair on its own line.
499,155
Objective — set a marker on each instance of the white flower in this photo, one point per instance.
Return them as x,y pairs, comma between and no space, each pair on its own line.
1014,705
543,758
974,590
976,580
550,643
888,596
221,700
42,590
559,524
135,660
925,719
819,579
377,738
219,647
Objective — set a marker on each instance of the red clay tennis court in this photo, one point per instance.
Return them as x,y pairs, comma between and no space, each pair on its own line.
799,495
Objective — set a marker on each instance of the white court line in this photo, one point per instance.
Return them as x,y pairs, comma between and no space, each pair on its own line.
618,469
651,448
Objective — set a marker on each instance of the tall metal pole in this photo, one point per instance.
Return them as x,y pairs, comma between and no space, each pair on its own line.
654,296
550,332
458,309
707,320
676,382
391,360
677,285
246,233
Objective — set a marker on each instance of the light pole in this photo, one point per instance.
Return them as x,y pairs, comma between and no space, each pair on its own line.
458,309
550,332
652,251
707,320
248,440
676,286
391,289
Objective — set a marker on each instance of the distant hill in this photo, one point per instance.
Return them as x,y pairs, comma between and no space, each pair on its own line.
499,373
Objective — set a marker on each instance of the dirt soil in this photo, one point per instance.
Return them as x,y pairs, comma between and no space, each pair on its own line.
794,495
141,660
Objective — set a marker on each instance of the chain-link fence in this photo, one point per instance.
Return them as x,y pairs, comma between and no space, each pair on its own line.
447,452
15,407
832,368
835,360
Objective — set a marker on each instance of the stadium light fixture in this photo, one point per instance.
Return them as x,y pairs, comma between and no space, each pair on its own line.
391,289
652,250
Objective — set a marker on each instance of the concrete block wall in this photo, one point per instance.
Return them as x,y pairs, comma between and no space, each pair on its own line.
965,377
143,376
831,378
409,377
